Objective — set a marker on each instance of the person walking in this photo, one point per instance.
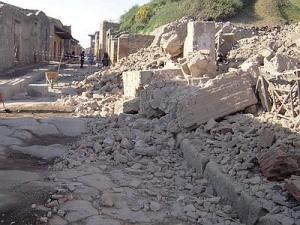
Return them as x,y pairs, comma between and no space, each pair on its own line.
82,56
91,61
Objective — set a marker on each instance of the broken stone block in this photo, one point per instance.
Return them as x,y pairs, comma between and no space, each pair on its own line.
211,124
293,186
278,165
222,96
174,45
280,63
200,36
200,65
131,106
225,43
266,138
133,81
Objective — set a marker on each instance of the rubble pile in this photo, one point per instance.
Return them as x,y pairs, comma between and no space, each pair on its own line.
152,57
247,148
282,40
131,167
99,92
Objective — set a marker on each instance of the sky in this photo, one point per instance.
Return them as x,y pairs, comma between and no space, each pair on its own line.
84,15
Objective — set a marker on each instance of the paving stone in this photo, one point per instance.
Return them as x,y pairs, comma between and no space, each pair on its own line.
5,131
12,178
42,129
78,210
69,127
98,181
98,220
19,122
9,141
48,153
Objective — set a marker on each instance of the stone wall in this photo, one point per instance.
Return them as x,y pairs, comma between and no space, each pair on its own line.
106,26
132,43
24,37
113,50
132,80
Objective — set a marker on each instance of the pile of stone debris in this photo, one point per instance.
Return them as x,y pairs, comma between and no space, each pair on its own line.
234,154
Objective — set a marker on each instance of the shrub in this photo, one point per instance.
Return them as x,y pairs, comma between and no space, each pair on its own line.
143,15
221,9
128,19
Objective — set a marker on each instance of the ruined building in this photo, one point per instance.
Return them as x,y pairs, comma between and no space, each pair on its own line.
30,36
115,43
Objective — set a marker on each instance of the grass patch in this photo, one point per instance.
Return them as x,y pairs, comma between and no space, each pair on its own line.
253,12
290,10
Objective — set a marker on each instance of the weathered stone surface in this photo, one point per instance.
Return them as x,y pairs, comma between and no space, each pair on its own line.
12,178
19,122
293,187
5,131
201,64
266,138
8,201
98,181
248,209
278,165
135,81
224,95
69,127
78,210
200,36
192,155
131,106
48,153
174,45
132,43
98,220
42,129
56,220
280,63
9,141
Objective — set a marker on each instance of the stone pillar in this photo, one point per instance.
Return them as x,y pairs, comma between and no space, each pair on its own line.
123,47
200,37
114,50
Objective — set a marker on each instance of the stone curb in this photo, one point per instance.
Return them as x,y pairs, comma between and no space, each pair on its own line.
248,209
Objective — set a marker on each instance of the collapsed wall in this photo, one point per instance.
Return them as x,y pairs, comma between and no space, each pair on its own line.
192,106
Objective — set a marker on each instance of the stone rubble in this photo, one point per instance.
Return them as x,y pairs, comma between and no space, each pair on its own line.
135,169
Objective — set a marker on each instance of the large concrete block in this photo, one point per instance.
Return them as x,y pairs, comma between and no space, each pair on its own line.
200,37
133,80
224,95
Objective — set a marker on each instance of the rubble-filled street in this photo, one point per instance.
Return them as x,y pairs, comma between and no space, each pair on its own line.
195,123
